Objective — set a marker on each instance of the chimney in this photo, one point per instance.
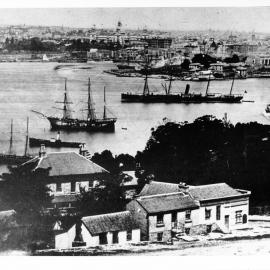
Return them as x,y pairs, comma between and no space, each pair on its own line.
58,136
183,187
82,150
42,150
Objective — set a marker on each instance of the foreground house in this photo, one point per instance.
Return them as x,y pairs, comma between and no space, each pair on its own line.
68,172
160,216
220,204
113,228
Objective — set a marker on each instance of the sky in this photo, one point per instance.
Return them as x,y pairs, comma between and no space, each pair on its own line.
181,18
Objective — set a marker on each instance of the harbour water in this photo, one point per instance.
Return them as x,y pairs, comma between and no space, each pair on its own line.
36,86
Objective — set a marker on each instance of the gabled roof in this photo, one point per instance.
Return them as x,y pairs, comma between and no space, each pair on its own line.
167,202
154,188
200,193
120,221
214,191
65,163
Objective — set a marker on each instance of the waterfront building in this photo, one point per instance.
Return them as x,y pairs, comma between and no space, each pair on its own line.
164,210
106,229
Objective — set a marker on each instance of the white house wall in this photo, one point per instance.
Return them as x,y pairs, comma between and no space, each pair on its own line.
91,241
136,236
64,240
228,208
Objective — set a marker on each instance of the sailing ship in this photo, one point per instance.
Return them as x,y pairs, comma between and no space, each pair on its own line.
91,124
10,157
35,142
186,97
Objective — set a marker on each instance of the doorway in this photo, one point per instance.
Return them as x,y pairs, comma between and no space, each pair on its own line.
227,221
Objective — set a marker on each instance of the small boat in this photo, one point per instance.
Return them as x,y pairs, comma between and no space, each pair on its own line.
34,142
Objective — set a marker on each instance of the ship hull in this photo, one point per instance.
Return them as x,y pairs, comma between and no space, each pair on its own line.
181,98
34,142
104,125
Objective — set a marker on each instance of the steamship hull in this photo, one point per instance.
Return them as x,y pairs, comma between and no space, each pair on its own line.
35,142
105,125
181,98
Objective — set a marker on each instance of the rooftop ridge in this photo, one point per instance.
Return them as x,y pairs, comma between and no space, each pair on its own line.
91,161
161,195
107,214
207,185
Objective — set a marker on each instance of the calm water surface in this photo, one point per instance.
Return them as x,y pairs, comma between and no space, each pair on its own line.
27,86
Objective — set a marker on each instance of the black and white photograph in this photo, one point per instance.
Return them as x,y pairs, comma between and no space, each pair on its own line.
135,131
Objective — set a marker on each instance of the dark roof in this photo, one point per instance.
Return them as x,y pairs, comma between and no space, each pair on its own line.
155,188
120,221
167,202
200,193
214,191
65,163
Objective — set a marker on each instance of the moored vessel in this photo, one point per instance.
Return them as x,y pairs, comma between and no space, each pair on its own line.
186,97
35,142
92,123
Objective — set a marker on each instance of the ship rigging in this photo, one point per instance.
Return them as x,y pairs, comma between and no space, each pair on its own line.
91,124
186,97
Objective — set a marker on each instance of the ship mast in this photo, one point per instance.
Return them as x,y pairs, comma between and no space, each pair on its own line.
66,102
11,138
105,112
27,138
146,87
91,110
170,86
232,86
208,83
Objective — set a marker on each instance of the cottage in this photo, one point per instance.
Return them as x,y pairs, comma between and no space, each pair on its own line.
160,216
113,228
220,204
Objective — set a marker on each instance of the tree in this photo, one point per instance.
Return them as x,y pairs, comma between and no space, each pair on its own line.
105,198
26,192
208,151
204,59
106,160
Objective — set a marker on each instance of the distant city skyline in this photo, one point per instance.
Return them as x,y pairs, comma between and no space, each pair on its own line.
181,18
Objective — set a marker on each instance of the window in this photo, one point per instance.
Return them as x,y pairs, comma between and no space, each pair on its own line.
218,212
73,187
187,230
188,214
208,228
115,237
159,236
174,217
129,235
103,239
160,221
207,213
238,217
58,187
